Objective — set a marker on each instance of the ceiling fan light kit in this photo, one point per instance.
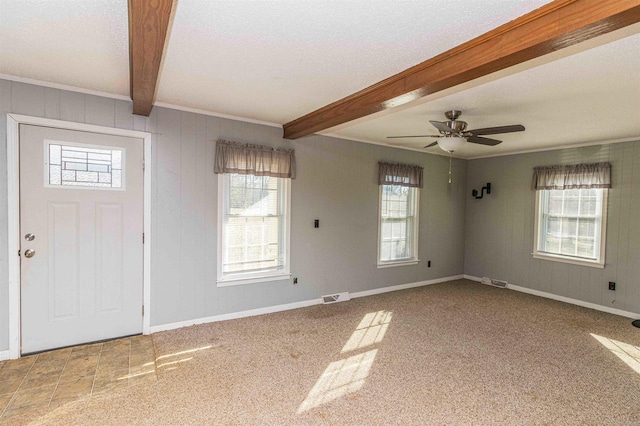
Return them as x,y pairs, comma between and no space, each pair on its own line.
451,143
454,134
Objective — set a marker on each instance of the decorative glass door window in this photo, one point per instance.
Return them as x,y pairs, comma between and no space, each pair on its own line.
76,165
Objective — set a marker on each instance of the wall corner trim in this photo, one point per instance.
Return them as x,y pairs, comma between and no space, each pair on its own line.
294,305
565,299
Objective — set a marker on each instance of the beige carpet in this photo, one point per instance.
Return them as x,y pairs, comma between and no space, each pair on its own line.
453,353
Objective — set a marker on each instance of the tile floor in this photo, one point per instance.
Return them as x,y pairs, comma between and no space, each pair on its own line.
50,379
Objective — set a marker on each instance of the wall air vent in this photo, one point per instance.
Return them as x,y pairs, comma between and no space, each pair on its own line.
335,298
495,283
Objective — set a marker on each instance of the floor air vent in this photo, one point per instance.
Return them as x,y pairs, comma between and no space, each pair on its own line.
495,283
335,298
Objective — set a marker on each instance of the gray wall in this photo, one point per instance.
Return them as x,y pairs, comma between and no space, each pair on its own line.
499,228
336,183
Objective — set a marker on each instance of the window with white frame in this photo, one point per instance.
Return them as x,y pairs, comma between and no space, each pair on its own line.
255,220
398,220
570,222
253,213
398,214
571,217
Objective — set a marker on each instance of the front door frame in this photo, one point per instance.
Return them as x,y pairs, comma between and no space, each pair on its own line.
13,210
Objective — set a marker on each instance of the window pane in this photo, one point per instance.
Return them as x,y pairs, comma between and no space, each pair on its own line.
587,228
399,250
569,226
568,246
554,226
588,203
586,247
386,230
385,251
571,202
552,244
84,166
555,202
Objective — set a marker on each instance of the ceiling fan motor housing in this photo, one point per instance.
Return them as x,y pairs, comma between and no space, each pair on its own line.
457,126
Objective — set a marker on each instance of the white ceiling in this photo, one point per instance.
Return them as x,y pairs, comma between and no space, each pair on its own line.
273,61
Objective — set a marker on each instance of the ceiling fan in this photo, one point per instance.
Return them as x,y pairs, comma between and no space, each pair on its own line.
453,133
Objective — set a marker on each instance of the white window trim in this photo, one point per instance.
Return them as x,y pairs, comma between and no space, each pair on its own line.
405,262
600,263
254,277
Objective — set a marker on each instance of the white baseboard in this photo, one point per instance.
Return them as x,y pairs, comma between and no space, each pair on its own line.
404,286
565,299
472,278
4,355
289,306
235,315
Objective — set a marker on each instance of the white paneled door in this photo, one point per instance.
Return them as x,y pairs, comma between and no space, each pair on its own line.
81,225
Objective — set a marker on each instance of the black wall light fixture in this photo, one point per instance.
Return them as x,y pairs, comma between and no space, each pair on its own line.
474,193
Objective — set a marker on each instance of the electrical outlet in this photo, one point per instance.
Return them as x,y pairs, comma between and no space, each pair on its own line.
295,281
612,285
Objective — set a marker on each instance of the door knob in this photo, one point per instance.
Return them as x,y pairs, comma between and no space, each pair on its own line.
29,237
29,253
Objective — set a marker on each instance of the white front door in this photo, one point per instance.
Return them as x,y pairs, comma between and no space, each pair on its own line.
81,225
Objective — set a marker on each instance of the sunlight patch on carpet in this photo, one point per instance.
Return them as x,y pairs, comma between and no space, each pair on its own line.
348,375
370,331
629,354
339,379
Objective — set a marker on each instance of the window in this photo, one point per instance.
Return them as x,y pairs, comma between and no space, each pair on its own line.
398,240
254,231
571,213
398,214
253,212
84,166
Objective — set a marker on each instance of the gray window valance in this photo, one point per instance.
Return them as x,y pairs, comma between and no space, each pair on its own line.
399,174
579,176
258,160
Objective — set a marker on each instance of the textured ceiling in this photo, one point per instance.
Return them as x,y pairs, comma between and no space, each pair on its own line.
273,61
79,43
278,60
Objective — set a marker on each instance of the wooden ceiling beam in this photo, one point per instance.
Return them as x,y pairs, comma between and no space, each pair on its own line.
554,26
149,23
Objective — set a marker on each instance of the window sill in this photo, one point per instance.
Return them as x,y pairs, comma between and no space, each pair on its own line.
398,263
252,280
571,260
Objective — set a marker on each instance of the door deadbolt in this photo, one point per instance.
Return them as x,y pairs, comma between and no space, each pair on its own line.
29,253
29,237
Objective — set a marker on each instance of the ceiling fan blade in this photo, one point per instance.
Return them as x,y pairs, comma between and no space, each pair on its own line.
430,145
441,126
497,130
483,141
414,136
